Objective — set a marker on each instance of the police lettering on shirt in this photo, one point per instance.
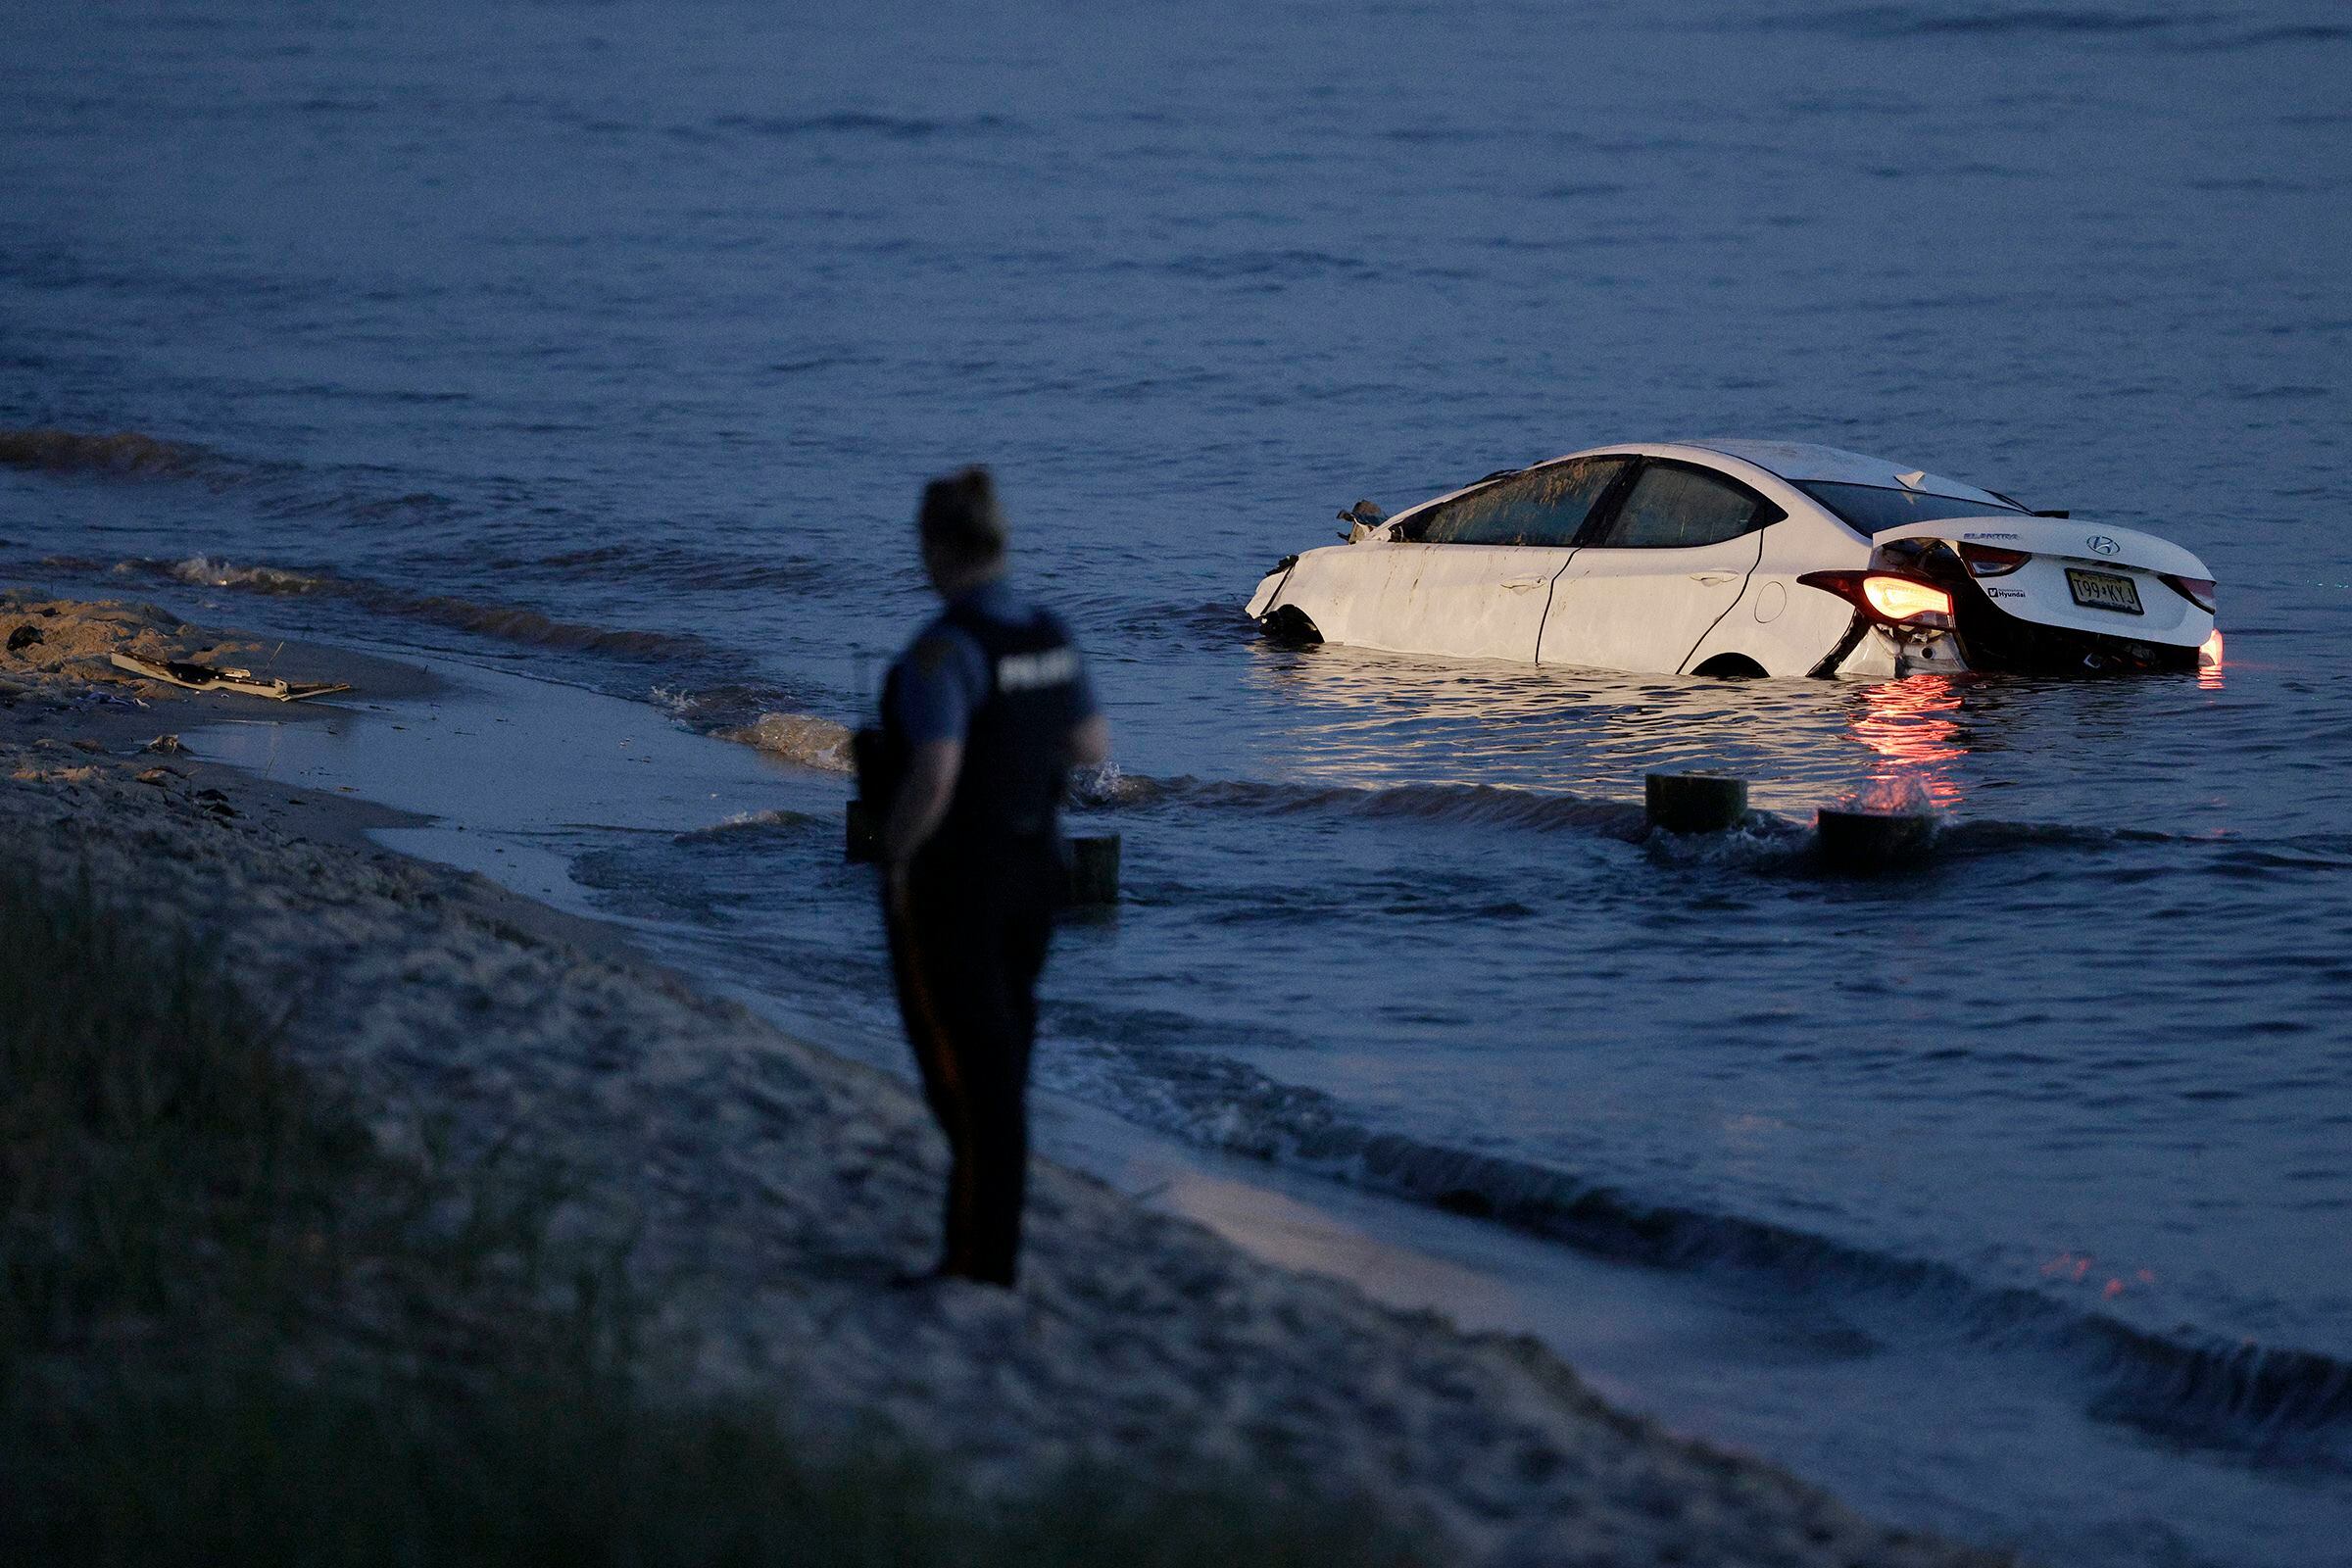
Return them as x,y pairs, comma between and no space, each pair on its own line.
1028,672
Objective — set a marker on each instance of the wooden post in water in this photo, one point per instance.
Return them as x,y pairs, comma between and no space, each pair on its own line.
1094,871
1868,842
1695,802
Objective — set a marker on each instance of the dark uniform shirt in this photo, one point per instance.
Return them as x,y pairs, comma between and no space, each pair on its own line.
994,660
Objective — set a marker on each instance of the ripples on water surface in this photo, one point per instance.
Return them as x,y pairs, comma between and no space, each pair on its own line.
610,343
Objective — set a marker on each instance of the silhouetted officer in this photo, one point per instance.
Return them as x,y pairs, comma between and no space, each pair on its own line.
983,717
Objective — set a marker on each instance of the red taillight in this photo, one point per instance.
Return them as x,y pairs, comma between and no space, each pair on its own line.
1991,561
2198,591
1887,597
1903,599
2209,654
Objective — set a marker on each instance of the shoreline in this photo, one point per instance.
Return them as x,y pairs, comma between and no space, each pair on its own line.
779,1185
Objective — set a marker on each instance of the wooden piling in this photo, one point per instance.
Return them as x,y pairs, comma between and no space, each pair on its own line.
1094,871
1695,802
1868,842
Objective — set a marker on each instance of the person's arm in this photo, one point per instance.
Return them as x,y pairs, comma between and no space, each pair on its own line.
921,801
941,674
1090,742
1090,737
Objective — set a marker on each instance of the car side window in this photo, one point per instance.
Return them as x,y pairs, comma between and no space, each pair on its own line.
1674,508
1543,506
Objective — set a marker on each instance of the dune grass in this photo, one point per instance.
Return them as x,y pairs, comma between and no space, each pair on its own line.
233,1330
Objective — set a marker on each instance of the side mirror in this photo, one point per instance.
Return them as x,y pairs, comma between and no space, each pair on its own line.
1363,519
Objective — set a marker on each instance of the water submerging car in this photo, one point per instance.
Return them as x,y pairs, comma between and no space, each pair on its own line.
1746,557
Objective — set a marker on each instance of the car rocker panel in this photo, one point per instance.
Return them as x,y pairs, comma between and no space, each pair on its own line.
1745,558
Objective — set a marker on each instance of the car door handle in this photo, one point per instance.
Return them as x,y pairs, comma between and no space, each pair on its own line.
1713,578
1521,584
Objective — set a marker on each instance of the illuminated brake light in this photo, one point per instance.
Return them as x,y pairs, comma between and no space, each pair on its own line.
1887,597
2198,591
1903,599
1991,561
2209,652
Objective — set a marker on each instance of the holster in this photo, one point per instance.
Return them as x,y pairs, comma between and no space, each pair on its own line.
881,766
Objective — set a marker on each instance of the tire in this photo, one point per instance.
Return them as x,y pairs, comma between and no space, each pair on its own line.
1288,623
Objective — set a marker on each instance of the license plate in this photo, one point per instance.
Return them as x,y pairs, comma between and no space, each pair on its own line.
2104,590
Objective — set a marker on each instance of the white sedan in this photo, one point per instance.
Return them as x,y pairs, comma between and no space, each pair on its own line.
1746,557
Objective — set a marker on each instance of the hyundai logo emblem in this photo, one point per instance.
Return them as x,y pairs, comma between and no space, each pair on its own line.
2101,545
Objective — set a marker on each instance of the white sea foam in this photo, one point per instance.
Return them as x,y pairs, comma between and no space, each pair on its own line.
675,701
205,573
1902,796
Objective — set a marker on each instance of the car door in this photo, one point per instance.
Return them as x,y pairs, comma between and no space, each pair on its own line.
1652,575
1472,575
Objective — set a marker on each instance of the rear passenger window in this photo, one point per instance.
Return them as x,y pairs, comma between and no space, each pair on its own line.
1544,506
1672,508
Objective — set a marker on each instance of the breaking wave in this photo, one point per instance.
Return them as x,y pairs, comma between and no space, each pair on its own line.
743,714
746,822
2289,1404
208,573
517,623
1482,803
1765,842
802,738
1988,837
2189,33
895,127
126,453
674,565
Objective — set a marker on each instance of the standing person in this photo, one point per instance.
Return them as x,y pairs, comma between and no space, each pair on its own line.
983,718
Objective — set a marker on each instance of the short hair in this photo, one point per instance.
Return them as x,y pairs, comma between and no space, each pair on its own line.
960,513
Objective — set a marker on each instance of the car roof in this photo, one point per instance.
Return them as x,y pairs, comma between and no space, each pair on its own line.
1800,461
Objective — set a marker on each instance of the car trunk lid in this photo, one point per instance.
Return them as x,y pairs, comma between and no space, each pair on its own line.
2082,576
2090,544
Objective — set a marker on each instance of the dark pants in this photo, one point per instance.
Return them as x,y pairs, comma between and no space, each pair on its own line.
966,953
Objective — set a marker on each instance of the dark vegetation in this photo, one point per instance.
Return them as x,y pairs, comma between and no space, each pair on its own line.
233,1329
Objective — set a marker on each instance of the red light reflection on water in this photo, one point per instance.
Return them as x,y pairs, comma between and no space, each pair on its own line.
1910,723
2074,1268
2210,662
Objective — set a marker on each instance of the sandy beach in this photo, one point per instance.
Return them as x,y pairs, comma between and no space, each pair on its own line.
773,1188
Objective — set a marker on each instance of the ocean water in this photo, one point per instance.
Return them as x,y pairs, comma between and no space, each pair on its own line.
610,344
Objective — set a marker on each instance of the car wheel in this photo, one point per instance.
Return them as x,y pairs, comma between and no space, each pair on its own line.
1288,623
1731,667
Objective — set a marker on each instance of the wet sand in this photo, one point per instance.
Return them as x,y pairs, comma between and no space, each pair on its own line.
776,1188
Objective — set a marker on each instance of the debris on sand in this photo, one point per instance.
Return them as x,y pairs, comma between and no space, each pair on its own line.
112,651
223,678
